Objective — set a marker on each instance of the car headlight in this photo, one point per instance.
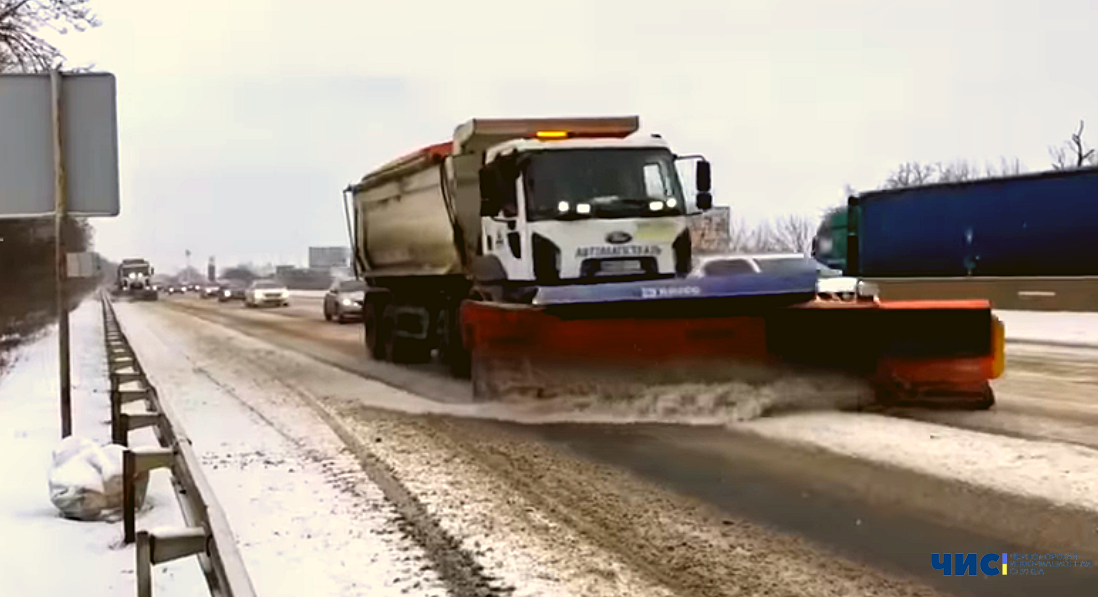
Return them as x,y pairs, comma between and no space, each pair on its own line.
347,302
228,293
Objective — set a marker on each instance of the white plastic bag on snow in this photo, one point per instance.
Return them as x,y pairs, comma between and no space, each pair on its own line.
76,488
86,479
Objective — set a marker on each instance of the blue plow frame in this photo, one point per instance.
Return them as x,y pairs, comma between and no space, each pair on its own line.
732,286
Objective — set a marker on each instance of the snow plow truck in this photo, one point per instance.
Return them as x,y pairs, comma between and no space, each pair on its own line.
548,257
135,280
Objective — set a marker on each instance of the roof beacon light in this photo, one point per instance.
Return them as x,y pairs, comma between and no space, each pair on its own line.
553,134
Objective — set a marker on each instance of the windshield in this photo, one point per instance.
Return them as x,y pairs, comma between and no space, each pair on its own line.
602,183
268,285
727,267
352,286
787,265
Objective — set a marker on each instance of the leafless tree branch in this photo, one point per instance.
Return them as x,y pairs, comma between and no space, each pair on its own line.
21,47
1073,153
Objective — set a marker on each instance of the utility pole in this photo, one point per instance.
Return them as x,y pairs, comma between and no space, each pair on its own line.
61,212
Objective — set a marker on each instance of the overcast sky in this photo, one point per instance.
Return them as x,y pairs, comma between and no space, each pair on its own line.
241,121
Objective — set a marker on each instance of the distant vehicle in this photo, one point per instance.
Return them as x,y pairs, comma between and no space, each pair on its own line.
231,291
174,289
134,279
832,284
211,290
344,300
266,293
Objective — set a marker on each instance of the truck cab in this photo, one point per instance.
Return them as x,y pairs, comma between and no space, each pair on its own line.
574,205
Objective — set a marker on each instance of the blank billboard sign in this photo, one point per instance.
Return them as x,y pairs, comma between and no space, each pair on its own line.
89,138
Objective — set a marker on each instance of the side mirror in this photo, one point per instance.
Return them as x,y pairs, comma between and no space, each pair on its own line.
704,200
703,178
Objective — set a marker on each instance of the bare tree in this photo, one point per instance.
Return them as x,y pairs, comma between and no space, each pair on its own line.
1006,168
956,171
21,21
794,234
910,174
739,236
1073,154
913,174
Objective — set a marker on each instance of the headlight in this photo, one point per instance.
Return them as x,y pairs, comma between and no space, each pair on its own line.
347,302
228,293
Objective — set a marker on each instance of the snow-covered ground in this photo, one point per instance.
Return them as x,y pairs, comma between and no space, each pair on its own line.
42,553
1055,327
307,518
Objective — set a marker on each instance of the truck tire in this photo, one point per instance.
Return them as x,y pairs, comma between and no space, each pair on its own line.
400,349
371,321
451,349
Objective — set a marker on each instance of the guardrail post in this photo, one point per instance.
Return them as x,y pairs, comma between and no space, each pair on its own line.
128,422
134,463
157,547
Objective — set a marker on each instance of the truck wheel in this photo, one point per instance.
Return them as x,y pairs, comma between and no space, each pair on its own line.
403,350
451,350
371,320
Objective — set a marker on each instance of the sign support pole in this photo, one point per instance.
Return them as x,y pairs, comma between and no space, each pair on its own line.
60,217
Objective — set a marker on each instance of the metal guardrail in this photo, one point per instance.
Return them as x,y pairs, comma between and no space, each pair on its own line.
207,534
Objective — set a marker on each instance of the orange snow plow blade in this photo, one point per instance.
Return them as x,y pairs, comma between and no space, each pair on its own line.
839,354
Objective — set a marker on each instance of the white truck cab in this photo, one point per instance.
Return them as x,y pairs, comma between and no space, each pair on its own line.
571,205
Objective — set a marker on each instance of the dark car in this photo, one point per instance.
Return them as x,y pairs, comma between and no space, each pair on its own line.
231,291
211,290
344,300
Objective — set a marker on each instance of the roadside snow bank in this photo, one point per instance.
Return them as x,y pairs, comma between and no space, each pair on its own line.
1062,473
1051,327
42,552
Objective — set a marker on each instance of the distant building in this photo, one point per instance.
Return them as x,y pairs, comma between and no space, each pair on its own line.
329,257
710,230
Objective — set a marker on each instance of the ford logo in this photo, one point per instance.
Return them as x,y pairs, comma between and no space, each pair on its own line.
617,238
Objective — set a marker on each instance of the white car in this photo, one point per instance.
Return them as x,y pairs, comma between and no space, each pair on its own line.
266,293
831,283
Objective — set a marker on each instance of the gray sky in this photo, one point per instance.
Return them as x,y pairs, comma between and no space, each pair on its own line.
241,121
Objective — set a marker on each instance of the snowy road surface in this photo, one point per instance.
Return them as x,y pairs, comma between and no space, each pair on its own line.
1053,327
42,553
560,509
